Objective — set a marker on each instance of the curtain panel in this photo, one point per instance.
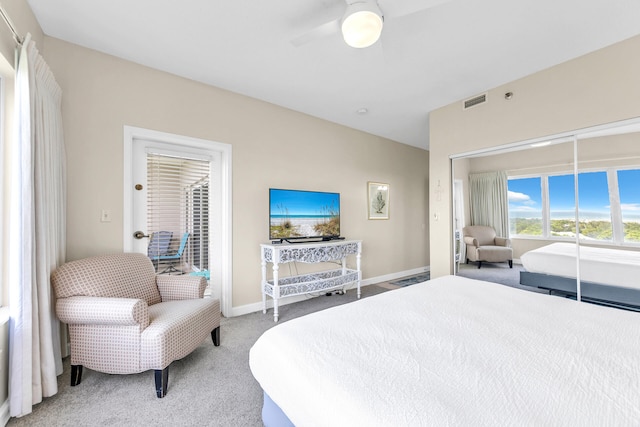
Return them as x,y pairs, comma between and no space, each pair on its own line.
37,223
489,201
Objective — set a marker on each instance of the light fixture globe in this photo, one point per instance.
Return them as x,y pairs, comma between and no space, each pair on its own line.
362,24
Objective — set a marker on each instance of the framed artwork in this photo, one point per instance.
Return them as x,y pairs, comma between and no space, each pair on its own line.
378,200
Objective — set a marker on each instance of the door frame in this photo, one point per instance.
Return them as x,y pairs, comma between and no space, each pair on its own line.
222,228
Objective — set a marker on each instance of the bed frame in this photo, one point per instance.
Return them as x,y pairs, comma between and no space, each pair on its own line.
596,293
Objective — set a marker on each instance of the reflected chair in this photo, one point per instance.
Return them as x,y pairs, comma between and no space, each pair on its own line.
483,245
158,246
174,258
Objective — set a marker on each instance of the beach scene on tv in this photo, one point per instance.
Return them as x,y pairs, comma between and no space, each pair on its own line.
300,214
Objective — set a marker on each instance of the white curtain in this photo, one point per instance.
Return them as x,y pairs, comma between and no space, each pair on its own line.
37,211
489,201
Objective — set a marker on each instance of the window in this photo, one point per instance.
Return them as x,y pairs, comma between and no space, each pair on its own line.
630,203
608,200
562,206
594,204
525,206
178,202
198,221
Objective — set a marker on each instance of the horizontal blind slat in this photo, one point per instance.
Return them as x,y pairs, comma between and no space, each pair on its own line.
178,202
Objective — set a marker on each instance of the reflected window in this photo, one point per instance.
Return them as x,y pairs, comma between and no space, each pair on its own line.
525,206
608,201
630,203
562,207
594,206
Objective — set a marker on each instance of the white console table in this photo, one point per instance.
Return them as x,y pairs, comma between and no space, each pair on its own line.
280,253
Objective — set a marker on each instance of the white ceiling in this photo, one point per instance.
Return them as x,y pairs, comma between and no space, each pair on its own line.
431,53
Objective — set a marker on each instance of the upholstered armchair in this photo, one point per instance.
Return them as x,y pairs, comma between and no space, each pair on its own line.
124,319
483,245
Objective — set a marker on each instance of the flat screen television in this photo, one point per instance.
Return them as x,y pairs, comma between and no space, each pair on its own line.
297,215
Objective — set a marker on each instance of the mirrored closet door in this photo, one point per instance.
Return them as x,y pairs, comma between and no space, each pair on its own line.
573,213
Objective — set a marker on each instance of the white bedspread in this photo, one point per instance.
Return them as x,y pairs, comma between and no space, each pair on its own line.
455,351
599,265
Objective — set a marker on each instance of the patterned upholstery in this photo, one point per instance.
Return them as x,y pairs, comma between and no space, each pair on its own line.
119,275
124,319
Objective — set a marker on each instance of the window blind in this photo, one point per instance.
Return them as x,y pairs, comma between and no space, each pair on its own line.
178,203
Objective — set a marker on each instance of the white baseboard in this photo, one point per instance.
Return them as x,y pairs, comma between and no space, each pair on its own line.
4,413
252,308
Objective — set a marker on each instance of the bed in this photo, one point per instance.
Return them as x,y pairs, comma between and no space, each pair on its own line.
607,276
452,351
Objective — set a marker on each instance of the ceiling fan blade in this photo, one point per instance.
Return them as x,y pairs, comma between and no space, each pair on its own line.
326,29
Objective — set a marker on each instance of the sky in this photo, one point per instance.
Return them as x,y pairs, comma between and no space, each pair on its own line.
525,198
302,202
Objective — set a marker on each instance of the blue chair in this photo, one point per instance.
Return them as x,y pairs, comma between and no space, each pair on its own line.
158,246
174,258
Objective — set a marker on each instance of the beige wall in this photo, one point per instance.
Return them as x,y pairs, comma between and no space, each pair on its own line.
597,88
102,94
24,21
272,147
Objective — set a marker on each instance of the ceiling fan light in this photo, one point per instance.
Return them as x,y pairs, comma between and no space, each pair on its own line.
362,25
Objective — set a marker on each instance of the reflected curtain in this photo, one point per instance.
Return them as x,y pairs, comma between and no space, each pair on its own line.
489,201
459,219
37,223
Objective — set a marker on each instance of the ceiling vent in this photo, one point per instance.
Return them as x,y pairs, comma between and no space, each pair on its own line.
476,100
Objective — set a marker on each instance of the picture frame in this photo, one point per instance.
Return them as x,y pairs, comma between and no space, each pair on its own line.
378,200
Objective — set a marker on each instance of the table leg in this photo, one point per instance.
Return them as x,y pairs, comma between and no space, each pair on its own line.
262,285
276,291
359,271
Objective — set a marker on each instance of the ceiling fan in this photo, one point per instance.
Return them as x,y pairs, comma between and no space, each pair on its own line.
362,21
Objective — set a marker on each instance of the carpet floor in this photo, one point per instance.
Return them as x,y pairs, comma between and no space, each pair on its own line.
411,280
213,386
497,273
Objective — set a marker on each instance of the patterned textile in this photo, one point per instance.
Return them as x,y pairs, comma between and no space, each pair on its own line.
181,287
103,311
118,323
176,329
119,275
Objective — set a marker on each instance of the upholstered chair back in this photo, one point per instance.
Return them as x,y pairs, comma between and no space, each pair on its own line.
127,275
485,235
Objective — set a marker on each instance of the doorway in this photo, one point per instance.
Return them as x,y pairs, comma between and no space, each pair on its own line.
199,211
458,223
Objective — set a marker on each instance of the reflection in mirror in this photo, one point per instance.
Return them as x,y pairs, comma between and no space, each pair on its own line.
570,199
537,186
609,219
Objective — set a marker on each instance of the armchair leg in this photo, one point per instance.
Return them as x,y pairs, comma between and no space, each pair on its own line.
479,264
510,263
76,375
162,377
215,336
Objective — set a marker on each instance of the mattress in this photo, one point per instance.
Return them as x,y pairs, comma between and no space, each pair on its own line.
598,265
454,351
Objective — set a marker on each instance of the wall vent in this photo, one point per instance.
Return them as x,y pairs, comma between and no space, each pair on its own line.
476,100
